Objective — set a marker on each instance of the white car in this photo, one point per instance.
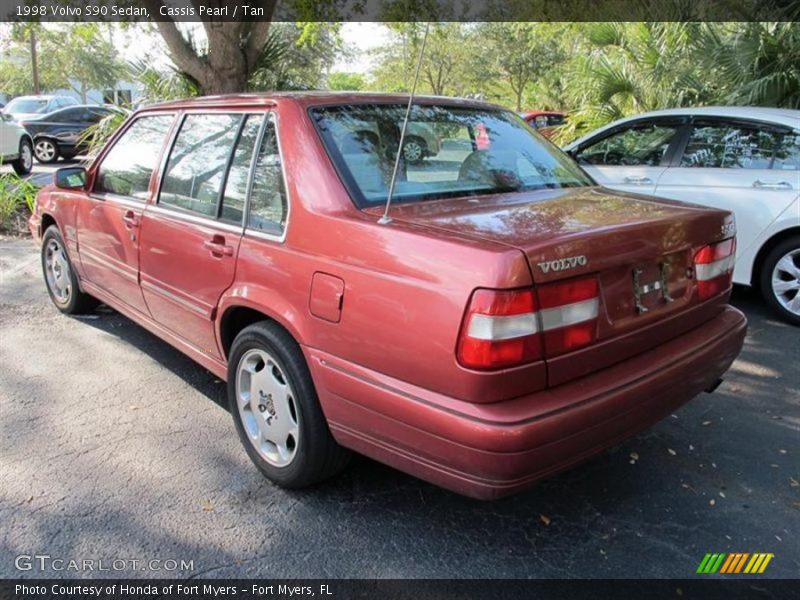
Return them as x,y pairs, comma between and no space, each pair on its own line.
16,146
743,159
27,107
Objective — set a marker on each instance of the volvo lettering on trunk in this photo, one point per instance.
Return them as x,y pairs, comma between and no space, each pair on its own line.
563,264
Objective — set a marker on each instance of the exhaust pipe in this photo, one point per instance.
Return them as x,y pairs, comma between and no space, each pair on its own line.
713,387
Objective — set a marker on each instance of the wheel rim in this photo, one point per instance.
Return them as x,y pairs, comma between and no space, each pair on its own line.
57,272
266,405
786,281
412,151
45,150
27,157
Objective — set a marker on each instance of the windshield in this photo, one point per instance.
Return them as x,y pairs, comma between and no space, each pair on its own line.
448,152
26,106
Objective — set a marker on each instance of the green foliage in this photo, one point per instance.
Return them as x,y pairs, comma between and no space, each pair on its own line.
78,56
17,200
296,56
341,81
755,63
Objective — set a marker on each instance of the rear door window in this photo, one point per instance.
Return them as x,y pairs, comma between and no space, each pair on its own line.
721,145
642,144
787,152
269,207
128,166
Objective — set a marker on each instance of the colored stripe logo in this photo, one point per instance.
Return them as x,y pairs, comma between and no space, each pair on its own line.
734,562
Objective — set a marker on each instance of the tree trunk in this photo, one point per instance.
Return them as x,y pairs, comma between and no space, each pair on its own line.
233,50
35,64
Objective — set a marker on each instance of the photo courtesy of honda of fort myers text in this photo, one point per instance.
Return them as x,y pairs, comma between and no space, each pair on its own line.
399,299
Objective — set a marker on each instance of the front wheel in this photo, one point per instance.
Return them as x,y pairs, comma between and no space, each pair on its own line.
24,163
46,151
60,277
780,280
276,410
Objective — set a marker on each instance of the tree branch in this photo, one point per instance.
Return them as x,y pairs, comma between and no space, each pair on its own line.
179,48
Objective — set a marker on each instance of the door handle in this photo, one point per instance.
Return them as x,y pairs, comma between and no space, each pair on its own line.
638,180
770,185
218,247
130,218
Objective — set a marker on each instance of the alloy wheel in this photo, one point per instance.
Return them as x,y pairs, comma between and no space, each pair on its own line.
267,408
45,150
27,157
57,272
786,281
412,151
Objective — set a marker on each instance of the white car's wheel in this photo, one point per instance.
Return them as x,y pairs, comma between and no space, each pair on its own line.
780,279
24,164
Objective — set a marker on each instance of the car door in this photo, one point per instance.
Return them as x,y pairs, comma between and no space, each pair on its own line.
110,215
747,167
633,156
9,138
191,236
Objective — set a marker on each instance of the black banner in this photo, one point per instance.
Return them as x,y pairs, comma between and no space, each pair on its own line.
391,589
398,10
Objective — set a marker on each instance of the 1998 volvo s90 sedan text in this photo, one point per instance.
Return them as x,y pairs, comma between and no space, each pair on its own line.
508,319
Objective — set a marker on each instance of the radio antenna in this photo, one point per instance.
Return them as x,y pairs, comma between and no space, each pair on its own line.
385,219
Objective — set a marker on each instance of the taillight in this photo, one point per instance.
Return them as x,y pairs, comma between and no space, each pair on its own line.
504,328
500,329
713,265
569,315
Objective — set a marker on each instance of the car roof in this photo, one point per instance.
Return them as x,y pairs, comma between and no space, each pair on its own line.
780,116
311,98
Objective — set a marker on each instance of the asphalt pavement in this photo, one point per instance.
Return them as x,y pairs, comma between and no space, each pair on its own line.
115,446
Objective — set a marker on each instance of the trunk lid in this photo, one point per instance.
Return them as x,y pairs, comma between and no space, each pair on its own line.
640,248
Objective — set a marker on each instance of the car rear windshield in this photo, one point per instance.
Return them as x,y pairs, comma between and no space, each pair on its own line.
449,152
26,106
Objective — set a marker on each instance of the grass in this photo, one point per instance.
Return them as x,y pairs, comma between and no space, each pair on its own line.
17,200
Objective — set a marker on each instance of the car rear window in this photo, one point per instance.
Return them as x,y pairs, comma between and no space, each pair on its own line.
449,151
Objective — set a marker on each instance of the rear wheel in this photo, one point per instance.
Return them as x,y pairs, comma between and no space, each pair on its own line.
780,280
46,151
24,163
414,150
276,410
60,277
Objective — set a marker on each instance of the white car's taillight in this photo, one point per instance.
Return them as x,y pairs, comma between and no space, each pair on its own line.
504,328
713,265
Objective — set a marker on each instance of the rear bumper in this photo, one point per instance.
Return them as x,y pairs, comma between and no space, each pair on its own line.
492,450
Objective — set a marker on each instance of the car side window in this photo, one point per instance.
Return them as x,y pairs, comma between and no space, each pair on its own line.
128,166
236,183
268,203
639,145
787,152
729,146
197,163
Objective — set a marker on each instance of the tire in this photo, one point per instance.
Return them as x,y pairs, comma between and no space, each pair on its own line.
24,164
60,278
266,360
414,150
46,151
780,280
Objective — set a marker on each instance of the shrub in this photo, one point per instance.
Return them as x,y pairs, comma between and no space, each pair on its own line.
17,200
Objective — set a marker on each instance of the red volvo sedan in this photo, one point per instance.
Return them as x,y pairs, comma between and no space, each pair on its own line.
509,319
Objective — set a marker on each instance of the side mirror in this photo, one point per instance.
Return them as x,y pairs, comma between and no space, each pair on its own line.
70,178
